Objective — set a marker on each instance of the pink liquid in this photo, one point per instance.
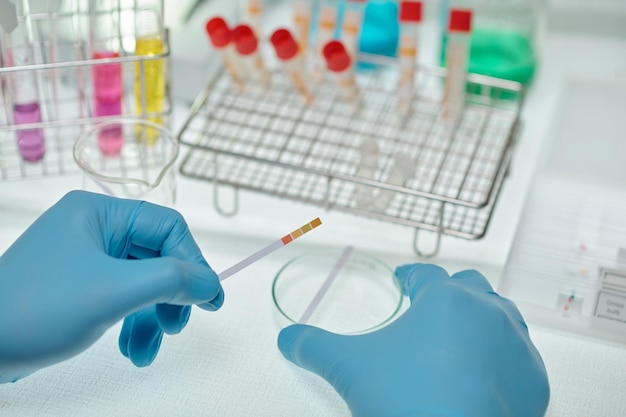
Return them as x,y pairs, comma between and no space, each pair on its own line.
110,138
107,78
30,142
107,86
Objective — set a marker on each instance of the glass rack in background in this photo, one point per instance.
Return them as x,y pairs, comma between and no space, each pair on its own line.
421,169
72,64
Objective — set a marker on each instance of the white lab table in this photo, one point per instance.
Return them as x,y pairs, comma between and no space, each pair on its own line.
226,363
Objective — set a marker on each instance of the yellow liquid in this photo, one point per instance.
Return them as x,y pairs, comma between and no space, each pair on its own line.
154,81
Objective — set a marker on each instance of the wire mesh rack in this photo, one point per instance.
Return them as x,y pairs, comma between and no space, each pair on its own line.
62,64
269,140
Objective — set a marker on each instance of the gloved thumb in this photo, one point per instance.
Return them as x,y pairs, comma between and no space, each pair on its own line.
313,349
140,282
415,277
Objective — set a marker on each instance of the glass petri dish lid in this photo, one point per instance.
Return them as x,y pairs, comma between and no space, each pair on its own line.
364,296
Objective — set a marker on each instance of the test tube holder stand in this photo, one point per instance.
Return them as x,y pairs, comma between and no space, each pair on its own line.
62,70
267,139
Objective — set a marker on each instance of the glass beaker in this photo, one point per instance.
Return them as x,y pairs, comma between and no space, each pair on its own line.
143,170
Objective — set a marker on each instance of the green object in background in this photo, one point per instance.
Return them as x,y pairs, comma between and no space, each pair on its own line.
502,54
499,53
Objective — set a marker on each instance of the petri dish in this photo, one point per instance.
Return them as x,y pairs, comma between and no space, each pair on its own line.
364,295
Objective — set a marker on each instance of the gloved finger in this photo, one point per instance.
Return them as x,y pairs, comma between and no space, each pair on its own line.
414,277
137,252
172,318
477,281
133,284
141,337
214,304
153,230
473,279
511,309
313,349
122,340
161,229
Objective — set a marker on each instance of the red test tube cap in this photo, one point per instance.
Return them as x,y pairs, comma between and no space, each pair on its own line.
460,20
245,40
218,32
337,58
410,11
284,43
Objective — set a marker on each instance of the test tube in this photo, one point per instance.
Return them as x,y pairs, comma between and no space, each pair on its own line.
106,78
401,171
410,17
326,24
457,51
247,45
368,164
24,92
149,73
287,51
339,62
302,22
220,36
351,26
254,9
2,80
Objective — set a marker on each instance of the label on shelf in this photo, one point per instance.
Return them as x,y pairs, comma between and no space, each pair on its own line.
611,306
613,279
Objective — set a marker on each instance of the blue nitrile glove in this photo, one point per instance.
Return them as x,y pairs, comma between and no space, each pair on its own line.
67,279
460,350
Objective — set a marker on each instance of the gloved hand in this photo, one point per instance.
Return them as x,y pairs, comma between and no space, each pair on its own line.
460,350
67,279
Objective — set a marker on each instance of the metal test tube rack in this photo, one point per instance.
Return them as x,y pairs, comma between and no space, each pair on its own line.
62,68
268,140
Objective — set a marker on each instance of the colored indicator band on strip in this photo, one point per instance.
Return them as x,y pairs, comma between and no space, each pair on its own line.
277,244
302,230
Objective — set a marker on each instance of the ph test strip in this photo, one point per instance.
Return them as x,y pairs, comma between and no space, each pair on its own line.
326,285
270,248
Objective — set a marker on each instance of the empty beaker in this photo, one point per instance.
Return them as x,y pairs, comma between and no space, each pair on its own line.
142,170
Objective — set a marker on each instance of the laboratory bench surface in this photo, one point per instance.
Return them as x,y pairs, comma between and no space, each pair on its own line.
227,363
